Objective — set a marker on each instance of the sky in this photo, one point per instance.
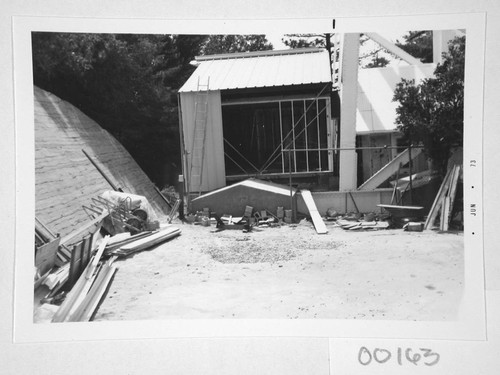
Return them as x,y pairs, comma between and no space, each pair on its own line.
365,49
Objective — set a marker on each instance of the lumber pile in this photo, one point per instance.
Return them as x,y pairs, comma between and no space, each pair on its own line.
81,302
132,246
445,199
75,271
87,277
84,298
363,225
356,222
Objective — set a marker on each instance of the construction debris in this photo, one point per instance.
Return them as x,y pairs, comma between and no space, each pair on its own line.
413,227
86,267
148,241
445,200
400,215
127,212
349,222
78,293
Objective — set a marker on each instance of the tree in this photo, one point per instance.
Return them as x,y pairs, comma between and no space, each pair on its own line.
418,44
432,111
313,40
377,62
218,44
305,40
126,83
372,54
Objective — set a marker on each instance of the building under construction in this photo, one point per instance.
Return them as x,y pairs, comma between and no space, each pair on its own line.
303,115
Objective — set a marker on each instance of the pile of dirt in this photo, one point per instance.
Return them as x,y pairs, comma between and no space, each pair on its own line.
250,252
264,246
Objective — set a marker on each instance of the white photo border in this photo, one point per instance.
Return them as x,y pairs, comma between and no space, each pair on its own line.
471,323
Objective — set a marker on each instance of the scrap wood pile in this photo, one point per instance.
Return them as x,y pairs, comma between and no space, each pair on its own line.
357,221
78,268
444,205
250,218
125,244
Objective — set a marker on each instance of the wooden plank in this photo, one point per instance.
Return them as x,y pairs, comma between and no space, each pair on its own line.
149,241
115,245
87,243
395,185
85,228
58,277
354,202
98,256
45,232
81,288
68,303
46,256
400,207
103,174
318,222
89,304
453,190
436,205
74,263
163,197
445,213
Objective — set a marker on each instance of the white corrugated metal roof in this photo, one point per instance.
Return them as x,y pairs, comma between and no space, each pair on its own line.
261,69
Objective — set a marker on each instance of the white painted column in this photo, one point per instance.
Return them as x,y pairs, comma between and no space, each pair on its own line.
348,102
440,39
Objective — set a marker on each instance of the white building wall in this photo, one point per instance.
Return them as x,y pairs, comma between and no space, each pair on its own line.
376,111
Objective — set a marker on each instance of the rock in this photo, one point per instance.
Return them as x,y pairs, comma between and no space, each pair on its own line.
331,213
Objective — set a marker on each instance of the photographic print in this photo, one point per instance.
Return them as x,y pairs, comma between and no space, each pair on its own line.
301,178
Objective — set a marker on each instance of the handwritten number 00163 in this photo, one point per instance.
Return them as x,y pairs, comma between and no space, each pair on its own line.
427,356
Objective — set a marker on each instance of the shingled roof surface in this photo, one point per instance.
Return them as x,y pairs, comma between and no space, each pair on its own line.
65,178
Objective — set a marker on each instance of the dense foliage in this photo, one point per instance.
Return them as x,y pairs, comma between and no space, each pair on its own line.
216,44
128,84
418,44
432,112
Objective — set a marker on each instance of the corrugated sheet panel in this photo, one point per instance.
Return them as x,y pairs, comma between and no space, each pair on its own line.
214,172
262,71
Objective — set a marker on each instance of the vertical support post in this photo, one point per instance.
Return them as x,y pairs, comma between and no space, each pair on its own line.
411,172
290,182
349,97
440,39
185,168
281,137
305,135
319,139
293,138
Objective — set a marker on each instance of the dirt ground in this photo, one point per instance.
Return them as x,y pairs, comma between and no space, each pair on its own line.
291,272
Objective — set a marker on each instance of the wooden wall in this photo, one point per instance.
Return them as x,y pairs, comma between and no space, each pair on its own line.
65,178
